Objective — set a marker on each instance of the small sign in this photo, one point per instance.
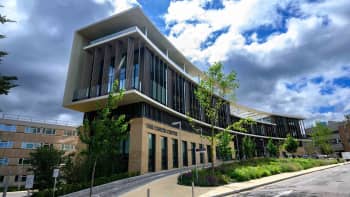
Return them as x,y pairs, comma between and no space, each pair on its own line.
55,173
29,182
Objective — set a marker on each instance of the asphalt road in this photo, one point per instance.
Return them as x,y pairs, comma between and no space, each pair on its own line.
332,182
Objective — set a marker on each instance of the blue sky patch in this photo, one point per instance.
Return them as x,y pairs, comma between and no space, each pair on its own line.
326,109
213,36
297,87
214,4
317,80
327,90
263,32
343,82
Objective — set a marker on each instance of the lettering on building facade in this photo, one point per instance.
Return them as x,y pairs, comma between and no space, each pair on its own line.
171,132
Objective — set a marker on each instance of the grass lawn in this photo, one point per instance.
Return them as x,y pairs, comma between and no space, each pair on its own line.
250,169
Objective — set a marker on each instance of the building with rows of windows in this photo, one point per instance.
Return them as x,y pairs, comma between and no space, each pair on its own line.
159,85
20,135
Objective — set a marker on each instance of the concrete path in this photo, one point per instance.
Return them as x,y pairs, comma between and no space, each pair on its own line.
168,186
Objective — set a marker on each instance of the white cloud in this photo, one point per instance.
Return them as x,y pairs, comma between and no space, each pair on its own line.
120,5
313,45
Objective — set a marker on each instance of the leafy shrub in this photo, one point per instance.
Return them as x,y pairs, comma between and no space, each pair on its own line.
250,169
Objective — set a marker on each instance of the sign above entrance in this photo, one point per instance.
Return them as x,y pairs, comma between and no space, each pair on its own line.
171,132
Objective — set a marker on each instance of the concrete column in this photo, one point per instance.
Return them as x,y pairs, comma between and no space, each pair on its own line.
158,162
170,153
138,161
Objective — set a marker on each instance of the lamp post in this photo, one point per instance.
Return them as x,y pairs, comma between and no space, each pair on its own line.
180,143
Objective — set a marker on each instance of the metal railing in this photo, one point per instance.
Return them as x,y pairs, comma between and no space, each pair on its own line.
25,118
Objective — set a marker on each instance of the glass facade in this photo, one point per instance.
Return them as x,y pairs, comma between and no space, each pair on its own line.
151,152
175,154
158,79
184,154
136,71
6,144
122,74
164,150
8,127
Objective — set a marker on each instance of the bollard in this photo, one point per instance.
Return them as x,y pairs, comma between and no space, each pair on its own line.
148,192
192,189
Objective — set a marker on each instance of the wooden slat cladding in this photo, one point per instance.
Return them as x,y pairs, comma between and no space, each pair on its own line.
118,57
146,73
170,84
130,62
86,69
106,64
96,69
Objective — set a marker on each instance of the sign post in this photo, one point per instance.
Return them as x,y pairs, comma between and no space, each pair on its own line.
29,183
55,175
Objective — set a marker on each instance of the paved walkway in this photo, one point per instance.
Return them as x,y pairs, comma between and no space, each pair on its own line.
168,186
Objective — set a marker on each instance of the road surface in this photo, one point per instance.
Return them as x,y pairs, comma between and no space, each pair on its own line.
332,182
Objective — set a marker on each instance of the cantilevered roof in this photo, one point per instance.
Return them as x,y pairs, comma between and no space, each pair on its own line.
247,112
136,17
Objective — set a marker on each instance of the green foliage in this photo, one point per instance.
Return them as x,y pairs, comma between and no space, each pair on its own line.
43,160
248,146
272,149
73,187
103,136
290,144
224,150
320,136
213,85
205,178
242,124
251,169
6,82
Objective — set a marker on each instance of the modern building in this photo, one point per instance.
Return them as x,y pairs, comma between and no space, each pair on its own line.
344,133
340,137
159,85
20,135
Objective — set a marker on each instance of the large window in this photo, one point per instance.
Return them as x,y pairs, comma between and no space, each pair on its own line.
4,161
135,73
8,127
158,79
122,74
23,161
184,154
175,154
193,153
201,154
111,75
151,152
30,145
49,131
6,144
208,153
70,133
164,149
34,130
68,147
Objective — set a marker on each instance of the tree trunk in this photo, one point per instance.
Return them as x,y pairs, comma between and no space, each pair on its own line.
92,177
212,151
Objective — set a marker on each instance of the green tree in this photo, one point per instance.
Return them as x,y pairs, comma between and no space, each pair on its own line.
290,144
213,85
272,149
224,149
248,146
320,136
103,134
6,82
43,160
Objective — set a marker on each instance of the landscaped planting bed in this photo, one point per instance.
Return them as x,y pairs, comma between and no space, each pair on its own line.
250,169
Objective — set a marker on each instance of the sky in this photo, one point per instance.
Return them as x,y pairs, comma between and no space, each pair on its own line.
291,56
